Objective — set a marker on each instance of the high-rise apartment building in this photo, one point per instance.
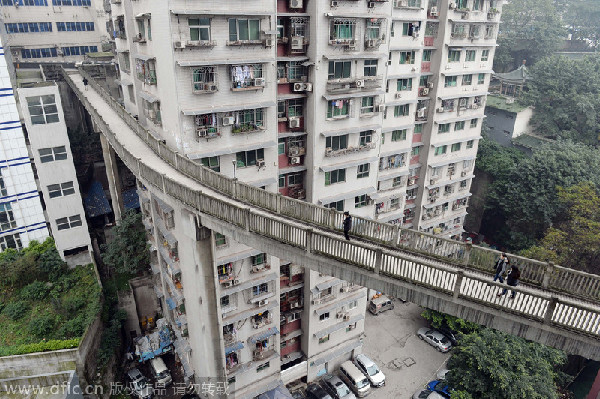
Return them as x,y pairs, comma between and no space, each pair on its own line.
374,107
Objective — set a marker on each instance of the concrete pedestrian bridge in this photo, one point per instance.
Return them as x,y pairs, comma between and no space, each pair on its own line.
554,306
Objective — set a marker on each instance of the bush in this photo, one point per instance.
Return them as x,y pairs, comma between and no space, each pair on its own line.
35,291
52,265
42,325
73,304
43,346
74,327
16,310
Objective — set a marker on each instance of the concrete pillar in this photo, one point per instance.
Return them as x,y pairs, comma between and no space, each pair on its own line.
112,174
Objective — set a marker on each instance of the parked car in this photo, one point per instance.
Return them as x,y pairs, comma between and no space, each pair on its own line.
441,387
315,391
380,304
435,339
139,384
449,334
441,374
355,379
370,369
336,387
160,371
426,394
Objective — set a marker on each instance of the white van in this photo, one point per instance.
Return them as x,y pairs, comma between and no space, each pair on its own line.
160,371
356,380
380,304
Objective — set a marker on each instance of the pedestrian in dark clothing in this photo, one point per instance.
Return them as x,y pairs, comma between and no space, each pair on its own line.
512,280
501,265
347,224
85,83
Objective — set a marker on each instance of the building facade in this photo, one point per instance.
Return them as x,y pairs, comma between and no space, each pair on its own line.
374,107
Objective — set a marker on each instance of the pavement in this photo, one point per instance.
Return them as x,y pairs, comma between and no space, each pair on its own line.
407,362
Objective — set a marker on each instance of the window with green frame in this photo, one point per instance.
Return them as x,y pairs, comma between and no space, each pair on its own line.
427,55
455,147
415,150
401,110
295,107
335,176
370,68
367,105
453,55
263,366
337,205
423,80
418,128
470,143
199,29
365,137
450,81
337,142
339,69
249,119
249,158
281,146
443,128
220,239
477,5
324,339
281,181
342,29
481,79
244,29
474,122
470,55
485,55
338,108
467,80
363,171
259,259
404,84
399,135
407,57
440,150
460,125
212,163
360,201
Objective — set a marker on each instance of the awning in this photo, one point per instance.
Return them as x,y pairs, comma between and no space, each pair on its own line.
143,15
131,200
397,151
144,57
465,72
451,160
341,96
264,335
170,303
462,95
338,326
400,102
219,12
280,392
290,134
405,76
95,201
367,190
463,118
232,150
454,141
233,348
228,108
244,61
348,164
327,284
350,130
290,96
148,97
361,56
404,48
393,175
391,129
263,182
338,305
359,16
234,318
292,58
293,169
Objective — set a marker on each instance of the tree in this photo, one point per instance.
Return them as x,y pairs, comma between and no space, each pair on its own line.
531,30
566,97
491,364
574,241
438,319
583,19
128,251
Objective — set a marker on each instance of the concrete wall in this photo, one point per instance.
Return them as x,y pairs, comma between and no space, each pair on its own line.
505,126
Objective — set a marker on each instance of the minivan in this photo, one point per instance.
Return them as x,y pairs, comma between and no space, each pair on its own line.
380,304
370,370
356,380
160,371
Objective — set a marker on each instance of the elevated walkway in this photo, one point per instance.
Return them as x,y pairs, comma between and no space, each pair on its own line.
554,305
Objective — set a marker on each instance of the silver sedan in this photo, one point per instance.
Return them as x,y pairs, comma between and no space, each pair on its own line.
435,339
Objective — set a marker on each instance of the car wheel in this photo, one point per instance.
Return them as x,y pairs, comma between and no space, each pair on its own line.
438,348
421,337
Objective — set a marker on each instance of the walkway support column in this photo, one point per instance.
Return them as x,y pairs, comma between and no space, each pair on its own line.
112,175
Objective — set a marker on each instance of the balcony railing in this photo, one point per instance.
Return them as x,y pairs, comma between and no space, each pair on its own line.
207,132
343,151
260,354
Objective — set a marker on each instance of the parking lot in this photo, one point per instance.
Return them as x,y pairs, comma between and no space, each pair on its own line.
407,362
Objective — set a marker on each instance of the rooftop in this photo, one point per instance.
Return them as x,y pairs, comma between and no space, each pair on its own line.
499,102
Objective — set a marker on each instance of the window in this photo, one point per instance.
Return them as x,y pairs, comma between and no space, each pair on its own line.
42,109
467,80
407,57
392,162
79,50
440,150
204,78
409,28
249,158
443,128
263,366
453,55
338,109
281,146
342,30
3,191
25,27
53,154
339,69
365,137
485,54
367,105
470,56
10,241
74,26
459,125
260,289
259,259
436,171
337,142
399,135
415,151
244,29
468,164
397,181
211,163
401,110
351,327
7,219
324,316
295,107
427,55
404,84
470,144
40,52
450,81
248,120
225,301
418,129
370,68
243,76
363,171
360,201
337,205
68,222
295,179
145,70
63,189
324,339
463,184
455,147
489,31
373,29
335,176
220,240
124,61
199,29
477,5
481,79
474,122
352,305
85,3
281,181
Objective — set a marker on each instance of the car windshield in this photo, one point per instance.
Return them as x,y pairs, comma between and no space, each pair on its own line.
140,384
444,340
372,370
163,374
342,390
424,394
363,383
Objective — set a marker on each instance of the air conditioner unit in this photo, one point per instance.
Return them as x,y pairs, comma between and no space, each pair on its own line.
296,4
360,83
316,301
430,85
236,281
452,6
398,95
334,3
425,91
463,173
345,289
294,122
269,42
440,109
264,302
152,114
340,315
346,317
295,160
295,305
434,12
179,44
308,87
421,113
257,269
228,120
260,163
259,82
298,86
228,284
371,4
297,43
381,108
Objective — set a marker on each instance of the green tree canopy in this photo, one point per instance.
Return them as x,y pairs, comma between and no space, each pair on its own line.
583,19
574,240
530,30
128,251
566,97
494,365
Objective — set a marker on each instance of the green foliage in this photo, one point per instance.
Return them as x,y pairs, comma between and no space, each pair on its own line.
16,310
583,18
42,325
461,395
494,365
35,291
496,160
52,265
531,30
128,251
574,239
43,346
111,338
566,96
438,319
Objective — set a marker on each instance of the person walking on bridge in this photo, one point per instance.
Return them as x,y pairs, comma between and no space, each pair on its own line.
512,279
347,224
501,265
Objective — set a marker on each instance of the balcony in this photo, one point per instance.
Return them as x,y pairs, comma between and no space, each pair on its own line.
260,354
371,43
243,42
265,321
296,151
207,132
250,84
408,4
349,43
229,338
247,128
204,87
198,43
139,39
350,150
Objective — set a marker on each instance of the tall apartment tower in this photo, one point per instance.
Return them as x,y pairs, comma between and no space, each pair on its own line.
374,107
21,214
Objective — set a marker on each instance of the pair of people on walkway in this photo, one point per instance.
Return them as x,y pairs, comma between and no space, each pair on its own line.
512,279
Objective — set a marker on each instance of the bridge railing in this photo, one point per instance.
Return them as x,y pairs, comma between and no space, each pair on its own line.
542,274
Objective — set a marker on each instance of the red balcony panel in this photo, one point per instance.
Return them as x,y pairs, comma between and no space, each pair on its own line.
428,41
297,277
414,159
284,161
282,126
412,201
417,137
282,6
281,49
284,89
426,66
289,327
289,348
